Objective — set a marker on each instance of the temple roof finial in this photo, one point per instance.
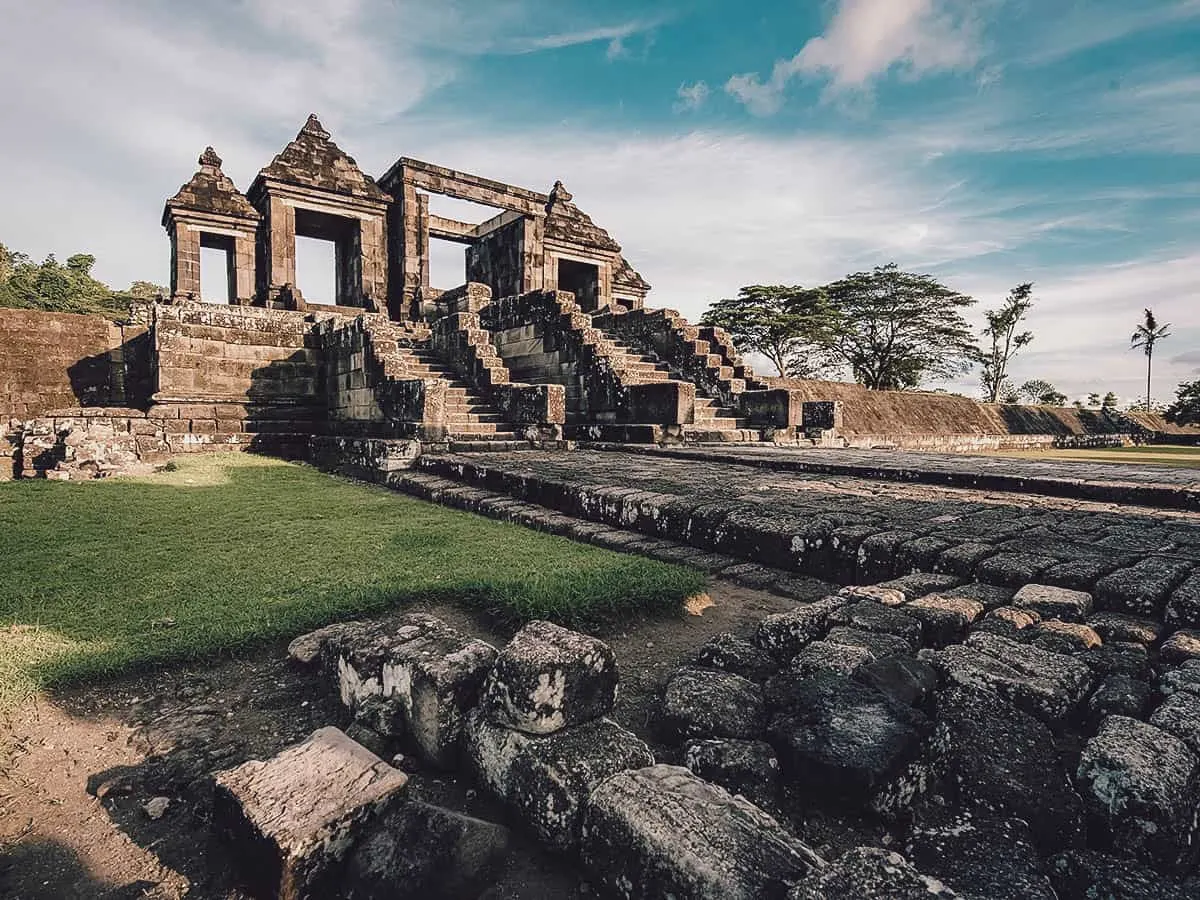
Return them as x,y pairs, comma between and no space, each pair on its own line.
314,127
560,194
209,158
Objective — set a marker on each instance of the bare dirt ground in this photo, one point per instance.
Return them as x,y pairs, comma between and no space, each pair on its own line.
78,767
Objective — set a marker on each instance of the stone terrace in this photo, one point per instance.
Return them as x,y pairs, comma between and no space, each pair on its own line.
1136,560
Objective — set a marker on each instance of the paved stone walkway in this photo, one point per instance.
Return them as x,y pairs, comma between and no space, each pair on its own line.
1163,486
850,530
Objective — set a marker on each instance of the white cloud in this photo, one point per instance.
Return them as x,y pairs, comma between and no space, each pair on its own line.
691,96
614,35
865,40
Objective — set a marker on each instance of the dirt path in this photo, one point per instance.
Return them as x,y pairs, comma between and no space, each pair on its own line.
77,768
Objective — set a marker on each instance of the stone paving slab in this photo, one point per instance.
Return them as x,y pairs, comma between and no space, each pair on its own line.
1147,485
854,530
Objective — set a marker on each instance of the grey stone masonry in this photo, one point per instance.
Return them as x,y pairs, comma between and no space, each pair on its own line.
289,821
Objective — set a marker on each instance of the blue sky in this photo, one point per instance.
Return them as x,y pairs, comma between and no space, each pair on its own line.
986,141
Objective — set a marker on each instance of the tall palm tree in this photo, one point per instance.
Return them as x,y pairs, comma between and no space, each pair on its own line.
1147,334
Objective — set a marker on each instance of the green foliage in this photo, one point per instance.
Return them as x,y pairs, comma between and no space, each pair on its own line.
1109,401
1005,340
57,287
783,323
1040,391
194,548
1185,410
895,329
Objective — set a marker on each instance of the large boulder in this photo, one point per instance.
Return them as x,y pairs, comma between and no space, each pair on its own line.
662,832
415,851
706,703
288,822
417,679
993,757
549,677
1140,784
840,740
870,873
546,779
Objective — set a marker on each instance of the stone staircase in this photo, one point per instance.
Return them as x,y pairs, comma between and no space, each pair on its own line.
472,422
713,422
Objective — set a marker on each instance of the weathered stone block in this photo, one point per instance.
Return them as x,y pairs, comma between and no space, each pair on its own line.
1140,784
1186,677
870,616
870,872
289,821
841,740
1183,609
904,679
1054,602
1119,695
982,857
1013,569
944,620
1179,714
879,643
749,768
1119,627
415,851
1049,685
880,593
429,673
546,779
1141,589
662,832
830,656
737,655
784,634
707,703
1180,647
1064,637
999,759
548,678
1087,875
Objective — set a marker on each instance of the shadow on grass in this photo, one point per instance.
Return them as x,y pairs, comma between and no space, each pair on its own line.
223,554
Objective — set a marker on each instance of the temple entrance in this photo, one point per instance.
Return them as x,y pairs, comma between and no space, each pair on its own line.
345,235
582,280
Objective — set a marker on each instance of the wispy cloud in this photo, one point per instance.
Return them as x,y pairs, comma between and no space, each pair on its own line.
614,35
867,39
1082,27
691,96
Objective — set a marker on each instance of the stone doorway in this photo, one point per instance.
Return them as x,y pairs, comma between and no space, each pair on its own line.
581,279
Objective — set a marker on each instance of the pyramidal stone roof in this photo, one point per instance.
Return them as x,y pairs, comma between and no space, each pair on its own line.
211,190
313,160
567,222
626,275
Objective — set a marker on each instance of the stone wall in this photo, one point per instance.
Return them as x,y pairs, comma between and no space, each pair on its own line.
208,352
54,360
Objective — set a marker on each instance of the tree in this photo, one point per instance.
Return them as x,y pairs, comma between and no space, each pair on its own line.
1145,336
1039,391
782,323
1109,401
1005,340
1009,395
1093,399
145,290
57,287
1186,408
894,329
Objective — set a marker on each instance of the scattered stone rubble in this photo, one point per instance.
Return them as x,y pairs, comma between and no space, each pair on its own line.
875,743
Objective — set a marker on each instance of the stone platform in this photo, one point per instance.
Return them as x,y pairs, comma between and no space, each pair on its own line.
851,530
1166,487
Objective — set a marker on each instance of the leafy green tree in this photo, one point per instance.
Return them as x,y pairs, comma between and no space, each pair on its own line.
1040,391
1009,395
57,287
894,329
1001,332
783,323
1093,399
1109,401
1147,334
1186,408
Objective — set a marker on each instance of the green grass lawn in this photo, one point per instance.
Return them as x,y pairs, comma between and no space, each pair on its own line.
100,577
1156,454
